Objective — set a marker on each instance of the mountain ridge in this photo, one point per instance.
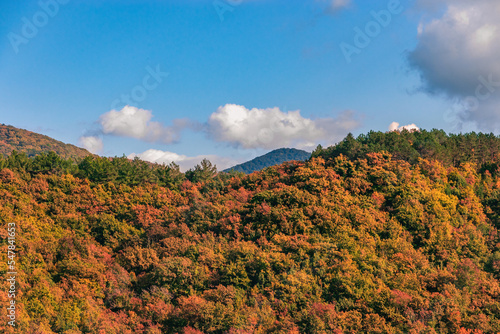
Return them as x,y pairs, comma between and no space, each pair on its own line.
33,143
275,157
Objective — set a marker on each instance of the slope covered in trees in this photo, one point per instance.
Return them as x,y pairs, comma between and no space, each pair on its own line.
450,149
372,244
31,143
272,158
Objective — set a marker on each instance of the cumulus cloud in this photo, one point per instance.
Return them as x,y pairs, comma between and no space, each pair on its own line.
394,126
272,128
457,57
136,123
231,124
184,162
93,144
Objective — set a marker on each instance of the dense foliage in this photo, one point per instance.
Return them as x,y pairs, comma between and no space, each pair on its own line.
452,149
372,244
100,169
272,158
14,139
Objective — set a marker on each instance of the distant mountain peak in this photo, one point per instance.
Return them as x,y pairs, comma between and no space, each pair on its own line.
272,158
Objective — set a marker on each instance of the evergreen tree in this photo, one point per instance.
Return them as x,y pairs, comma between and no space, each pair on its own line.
202,172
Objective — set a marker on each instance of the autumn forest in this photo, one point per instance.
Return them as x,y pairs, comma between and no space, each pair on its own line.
394,232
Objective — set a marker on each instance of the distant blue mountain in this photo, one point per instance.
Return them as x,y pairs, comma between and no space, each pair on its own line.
275,157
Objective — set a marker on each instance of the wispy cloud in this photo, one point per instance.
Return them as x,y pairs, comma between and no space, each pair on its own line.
335,6
93,144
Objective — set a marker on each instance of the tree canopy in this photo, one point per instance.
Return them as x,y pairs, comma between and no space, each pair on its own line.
361,242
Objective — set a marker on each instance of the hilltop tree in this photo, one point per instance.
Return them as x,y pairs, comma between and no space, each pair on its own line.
202,172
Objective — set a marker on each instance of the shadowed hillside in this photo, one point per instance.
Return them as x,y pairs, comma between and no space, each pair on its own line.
273,158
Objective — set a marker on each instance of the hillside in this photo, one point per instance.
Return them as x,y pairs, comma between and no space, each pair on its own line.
372,244
32,144
272,158
449,149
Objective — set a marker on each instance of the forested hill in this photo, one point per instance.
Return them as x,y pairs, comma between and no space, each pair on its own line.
31,143
272,158
451,150
367,244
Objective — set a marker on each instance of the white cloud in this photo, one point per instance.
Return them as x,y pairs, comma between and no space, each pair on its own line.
236,125
272,128
394,126
92,144
458,52
136,123
184,162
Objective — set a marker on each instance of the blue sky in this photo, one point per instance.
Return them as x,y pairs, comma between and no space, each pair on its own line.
223,79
